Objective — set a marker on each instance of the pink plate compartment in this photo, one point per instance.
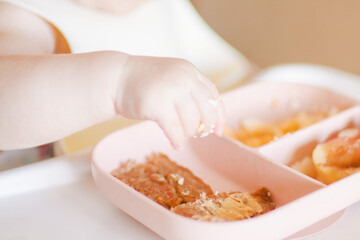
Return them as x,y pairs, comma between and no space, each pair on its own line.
227,165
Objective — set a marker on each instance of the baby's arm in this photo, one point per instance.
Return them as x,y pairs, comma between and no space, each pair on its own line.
46,97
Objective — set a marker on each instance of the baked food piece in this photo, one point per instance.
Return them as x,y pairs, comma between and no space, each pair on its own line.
338,157
162,180
254,132
178,189
227,207
305,166
333,159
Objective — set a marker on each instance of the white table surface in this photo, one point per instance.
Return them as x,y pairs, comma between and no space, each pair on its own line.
58,199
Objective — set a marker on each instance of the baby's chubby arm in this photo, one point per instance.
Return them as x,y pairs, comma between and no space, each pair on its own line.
45,97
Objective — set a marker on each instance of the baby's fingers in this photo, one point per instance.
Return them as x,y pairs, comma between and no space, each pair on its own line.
170,123
189,116
211,110
216,102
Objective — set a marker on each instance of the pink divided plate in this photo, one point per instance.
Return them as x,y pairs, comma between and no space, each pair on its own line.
302,203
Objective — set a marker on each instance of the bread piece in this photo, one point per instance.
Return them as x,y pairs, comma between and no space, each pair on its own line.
305,166
162,180
144,178
337,158
227,207
187,186
177,188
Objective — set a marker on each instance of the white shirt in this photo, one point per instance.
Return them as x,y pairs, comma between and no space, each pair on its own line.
168,28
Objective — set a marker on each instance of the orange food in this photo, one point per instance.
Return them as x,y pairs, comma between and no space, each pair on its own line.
162,180
338,157
227,207
334,159
305,166
255,133
179,190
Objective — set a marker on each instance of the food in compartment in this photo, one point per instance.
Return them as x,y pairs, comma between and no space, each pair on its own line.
306,166
227,206
179,190
255,132
334,159
162,180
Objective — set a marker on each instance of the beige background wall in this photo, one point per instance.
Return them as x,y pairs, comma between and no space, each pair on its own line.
271,32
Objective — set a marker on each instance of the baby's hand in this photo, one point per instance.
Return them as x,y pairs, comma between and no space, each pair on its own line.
173,93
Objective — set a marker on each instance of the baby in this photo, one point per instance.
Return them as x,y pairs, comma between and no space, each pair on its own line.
45,96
